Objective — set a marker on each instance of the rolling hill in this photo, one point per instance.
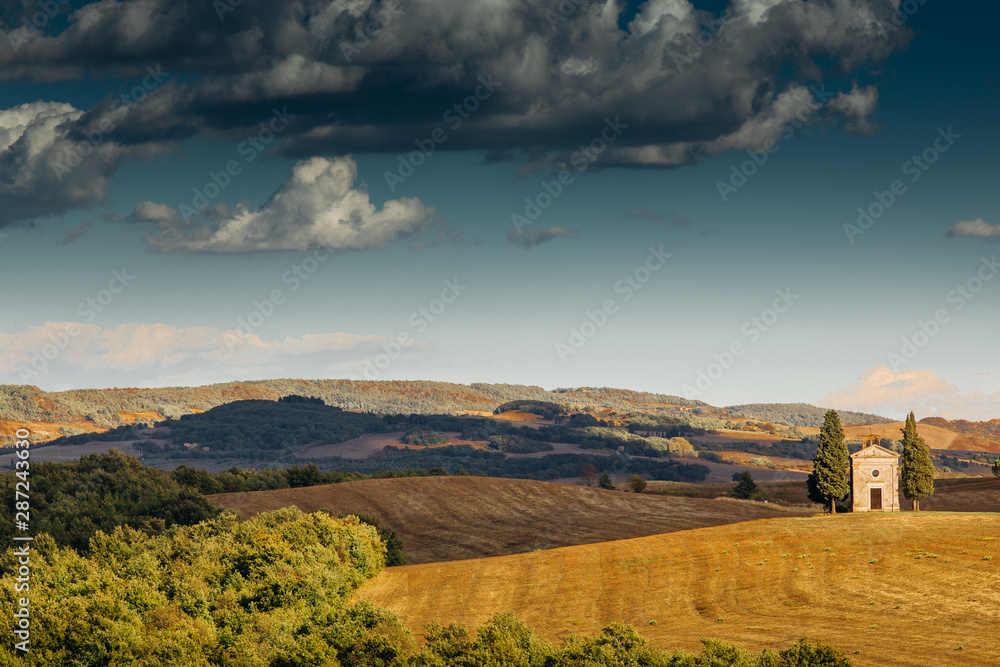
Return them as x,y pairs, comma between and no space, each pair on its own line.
450,518
799,414
893,590
113,407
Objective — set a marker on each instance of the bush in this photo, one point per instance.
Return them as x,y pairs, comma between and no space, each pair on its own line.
746,489
394,554
636,483
504,640
605,482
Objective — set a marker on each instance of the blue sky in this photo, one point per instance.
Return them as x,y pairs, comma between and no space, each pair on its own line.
310,264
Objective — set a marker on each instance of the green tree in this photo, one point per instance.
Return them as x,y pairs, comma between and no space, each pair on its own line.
746,488
605,481
637,483
996,468
916,470
831,466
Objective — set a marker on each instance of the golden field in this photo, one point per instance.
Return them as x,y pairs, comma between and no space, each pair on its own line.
905,589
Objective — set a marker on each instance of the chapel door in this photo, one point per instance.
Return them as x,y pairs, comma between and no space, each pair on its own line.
876,503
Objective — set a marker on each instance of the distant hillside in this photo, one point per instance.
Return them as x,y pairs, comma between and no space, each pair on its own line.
801,414
989,430
113,407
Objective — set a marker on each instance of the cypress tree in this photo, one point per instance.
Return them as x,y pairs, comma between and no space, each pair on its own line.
916,471
747,488
831,467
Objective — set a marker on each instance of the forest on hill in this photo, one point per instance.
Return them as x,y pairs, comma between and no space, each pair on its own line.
257,432
801,414
102,406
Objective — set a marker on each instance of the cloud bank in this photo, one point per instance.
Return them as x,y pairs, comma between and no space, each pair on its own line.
895,393
60,355
377,76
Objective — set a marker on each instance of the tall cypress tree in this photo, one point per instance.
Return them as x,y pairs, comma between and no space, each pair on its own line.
831,467
916,471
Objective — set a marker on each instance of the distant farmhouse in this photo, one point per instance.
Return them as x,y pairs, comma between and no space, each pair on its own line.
874,478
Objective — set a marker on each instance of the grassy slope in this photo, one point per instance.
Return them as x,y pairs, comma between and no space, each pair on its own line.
854,580
447,518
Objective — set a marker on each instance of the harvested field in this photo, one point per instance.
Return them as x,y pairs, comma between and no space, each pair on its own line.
893,590
450,518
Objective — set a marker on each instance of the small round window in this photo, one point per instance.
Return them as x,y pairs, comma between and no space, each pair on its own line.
874,473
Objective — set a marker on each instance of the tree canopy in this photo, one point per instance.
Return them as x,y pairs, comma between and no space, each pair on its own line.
746,488
916,472
831,467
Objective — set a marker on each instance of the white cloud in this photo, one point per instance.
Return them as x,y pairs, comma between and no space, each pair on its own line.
978,228
59,355
895,393
317,207
857,107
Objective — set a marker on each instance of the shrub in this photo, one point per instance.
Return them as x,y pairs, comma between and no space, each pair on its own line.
636,483
605,482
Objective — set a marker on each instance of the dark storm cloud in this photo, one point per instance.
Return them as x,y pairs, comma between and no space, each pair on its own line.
509,78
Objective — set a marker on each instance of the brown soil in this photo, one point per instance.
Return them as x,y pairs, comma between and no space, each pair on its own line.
450,518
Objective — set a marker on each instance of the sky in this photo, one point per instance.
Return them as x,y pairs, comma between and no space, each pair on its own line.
743,202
